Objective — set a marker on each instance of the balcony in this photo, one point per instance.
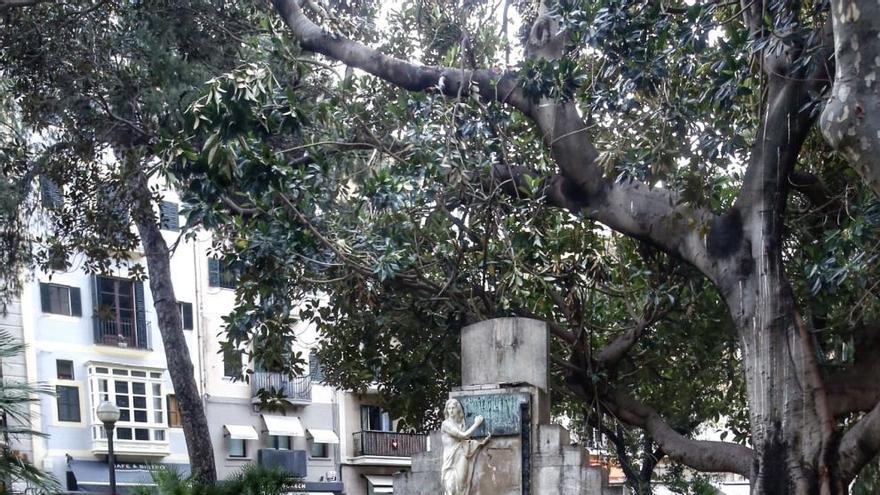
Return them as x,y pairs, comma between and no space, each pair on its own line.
296,390
388,444
292,462
154,443
121,333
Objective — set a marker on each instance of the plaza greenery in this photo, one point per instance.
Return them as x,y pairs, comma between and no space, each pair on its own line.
249,480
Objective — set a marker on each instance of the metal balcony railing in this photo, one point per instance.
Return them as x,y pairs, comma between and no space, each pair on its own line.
121,333
389,444
297,389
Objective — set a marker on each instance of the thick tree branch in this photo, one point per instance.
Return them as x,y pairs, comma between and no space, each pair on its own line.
631,207
859,445
409,76
612,353
702,455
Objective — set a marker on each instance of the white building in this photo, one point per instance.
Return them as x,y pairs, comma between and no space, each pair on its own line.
95,338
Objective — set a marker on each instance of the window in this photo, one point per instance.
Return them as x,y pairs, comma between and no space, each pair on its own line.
279,443
67,397
64,369
237,447
169,217
221,274
232,364
319,450
374,418
186,314
174,412
120,317
60,299
315,370
138,394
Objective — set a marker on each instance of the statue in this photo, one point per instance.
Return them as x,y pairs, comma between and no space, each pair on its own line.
459,450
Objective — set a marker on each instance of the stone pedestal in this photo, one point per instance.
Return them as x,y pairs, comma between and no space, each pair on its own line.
505,375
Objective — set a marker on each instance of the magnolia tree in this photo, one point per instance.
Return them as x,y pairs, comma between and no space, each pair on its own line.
793,66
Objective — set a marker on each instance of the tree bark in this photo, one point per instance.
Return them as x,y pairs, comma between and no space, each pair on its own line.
180,367
850,119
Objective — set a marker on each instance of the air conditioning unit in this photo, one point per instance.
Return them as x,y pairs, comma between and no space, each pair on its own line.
293,462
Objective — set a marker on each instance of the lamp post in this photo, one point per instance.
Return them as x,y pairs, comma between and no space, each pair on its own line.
108,414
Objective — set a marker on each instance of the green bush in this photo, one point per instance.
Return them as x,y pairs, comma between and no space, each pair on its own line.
251,480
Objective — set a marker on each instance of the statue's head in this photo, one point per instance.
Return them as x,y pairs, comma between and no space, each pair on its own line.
454,411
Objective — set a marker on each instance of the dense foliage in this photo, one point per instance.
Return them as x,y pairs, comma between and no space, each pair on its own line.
249,480
16,398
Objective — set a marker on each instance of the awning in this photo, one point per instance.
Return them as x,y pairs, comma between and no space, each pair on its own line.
94,476
380,484
323,436
241,432
283,426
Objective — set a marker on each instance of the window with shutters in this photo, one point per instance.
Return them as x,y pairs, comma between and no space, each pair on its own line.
174,420
315,370
186,314
120,316
221,274
67,398
60,299
169,216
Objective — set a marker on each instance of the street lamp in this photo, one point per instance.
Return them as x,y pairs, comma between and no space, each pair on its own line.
108,414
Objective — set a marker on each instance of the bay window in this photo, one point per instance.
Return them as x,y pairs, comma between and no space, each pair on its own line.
138,394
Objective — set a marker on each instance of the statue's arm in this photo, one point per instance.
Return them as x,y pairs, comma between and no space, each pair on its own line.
477,422
454,432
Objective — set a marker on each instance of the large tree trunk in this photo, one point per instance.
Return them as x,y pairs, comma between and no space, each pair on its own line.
791,434
180,367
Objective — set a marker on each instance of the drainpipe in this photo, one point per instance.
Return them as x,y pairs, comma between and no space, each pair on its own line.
199,323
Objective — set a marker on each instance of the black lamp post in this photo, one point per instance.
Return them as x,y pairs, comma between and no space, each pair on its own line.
108,414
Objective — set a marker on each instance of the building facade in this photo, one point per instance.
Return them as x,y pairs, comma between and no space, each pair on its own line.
371,447
299,434
95,337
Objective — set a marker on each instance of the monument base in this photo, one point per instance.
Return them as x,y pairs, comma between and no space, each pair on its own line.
538,459
504,396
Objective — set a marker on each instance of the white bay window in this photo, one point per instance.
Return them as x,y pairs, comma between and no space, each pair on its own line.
139,394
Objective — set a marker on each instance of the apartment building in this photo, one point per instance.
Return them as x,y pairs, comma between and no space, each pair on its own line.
96,337
93,338
300,434
372,449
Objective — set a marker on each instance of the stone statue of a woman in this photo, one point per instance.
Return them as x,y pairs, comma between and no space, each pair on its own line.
459,450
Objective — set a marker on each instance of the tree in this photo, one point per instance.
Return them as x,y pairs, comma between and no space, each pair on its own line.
752,96
367,241
97,84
